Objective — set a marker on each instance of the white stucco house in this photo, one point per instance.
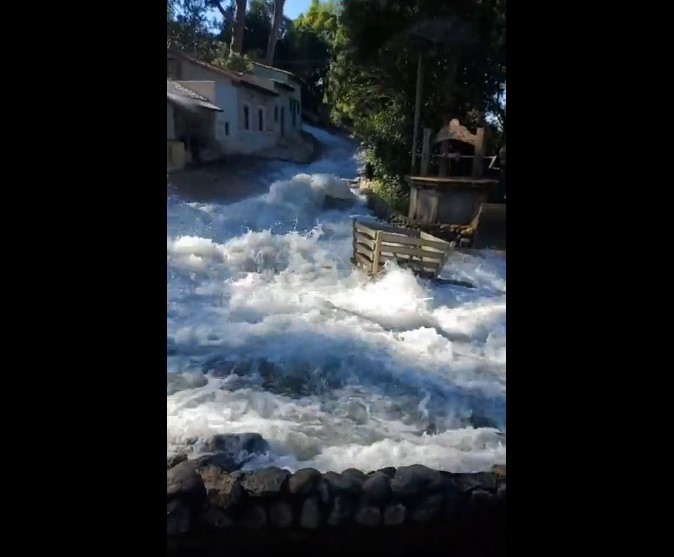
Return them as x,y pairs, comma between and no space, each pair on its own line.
290,84
246,113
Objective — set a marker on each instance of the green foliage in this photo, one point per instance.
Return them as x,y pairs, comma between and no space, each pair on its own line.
304,46
394,191
385,138
359,59
231,60
373,76
190,28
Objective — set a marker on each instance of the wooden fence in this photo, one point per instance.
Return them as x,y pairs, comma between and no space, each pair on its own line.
374,244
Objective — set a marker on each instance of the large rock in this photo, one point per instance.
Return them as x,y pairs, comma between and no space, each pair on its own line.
304,481
224,461
223,490
266,482
237,443
175,459
354,474
213,518
341,510
485,480
465,483
370,517
310,516
501,495
184,483
324,492
389,471
280,514
177,517
254,517
415,480
377,488
499,471
481,500
427,508
394,515
340,483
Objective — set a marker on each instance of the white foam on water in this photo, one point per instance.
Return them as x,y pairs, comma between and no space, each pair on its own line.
271,330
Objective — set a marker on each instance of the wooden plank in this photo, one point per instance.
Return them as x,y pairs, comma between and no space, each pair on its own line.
374,226
365,229
395,239
406,257
406,262
362,239
367,266
426,236
359,265
413,252
367,252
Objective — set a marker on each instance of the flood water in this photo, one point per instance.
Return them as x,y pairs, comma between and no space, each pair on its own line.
271,330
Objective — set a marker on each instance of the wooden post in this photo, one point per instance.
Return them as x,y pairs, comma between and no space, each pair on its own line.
412,212
426,152
479,153
417,112
376,252
354,257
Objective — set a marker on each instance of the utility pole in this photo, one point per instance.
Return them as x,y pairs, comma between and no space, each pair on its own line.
417,111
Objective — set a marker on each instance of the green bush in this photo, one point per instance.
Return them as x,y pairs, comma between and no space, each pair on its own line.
386,143
394,192
232,61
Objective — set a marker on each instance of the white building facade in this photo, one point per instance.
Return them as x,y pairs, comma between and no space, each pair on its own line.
256,111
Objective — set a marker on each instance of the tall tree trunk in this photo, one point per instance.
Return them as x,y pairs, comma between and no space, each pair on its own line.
273,34
236,45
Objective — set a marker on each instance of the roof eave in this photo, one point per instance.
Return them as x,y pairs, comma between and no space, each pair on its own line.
257,88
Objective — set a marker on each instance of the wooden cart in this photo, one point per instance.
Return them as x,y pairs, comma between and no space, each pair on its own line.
374,244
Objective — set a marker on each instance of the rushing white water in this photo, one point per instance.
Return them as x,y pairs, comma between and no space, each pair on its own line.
271,330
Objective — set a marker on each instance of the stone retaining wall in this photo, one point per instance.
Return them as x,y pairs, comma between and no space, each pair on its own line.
404,511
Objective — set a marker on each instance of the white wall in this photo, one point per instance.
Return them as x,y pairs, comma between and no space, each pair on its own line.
284,99
225,98
252,139
231,98
227,122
